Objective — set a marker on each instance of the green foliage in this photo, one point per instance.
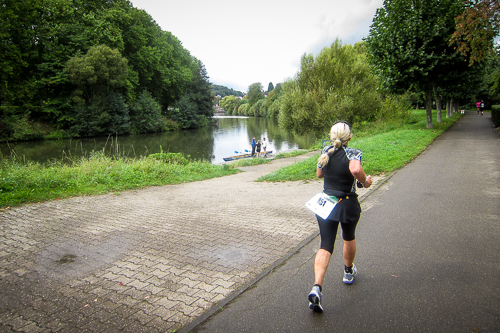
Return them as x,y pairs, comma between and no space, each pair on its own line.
49,47
259,109
408,47
173,158
270,87
185,113
243,109
495,115
100,70
33,182
145,115
194,109
337,84
104,115
255,93
230,104
395,108
385,149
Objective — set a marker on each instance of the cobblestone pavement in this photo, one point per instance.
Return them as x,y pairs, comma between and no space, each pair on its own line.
148,260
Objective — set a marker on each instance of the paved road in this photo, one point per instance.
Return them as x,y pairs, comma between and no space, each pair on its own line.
428,253
150,260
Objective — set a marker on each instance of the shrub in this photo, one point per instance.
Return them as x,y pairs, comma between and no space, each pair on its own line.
495,115
172,158
145,115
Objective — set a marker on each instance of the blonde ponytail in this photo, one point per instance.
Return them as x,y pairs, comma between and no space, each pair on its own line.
340,134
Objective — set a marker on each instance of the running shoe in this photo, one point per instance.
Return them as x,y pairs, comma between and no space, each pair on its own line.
349,277
315,299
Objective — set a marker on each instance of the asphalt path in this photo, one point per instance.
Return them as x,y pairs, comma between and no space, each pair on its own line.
428,253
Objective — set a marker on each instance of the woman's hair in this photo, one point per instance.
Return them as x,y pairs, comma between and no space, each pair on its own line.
340,134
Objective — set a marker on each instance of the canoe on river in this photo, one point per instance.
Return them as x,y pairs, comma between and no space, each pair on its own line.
237,157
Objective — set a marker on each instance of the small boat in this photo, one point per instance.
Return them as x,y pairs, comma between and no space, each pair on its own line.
238,157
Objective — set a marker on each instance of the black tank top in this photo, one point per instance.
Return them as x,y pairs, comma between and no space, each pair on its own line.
338,179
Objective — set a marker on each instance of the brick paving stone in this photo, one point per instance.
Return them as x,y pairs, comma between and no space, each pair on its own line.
146,260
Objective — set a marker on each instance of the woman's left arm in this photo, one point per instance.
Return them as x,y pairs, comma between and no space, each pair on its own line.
358,173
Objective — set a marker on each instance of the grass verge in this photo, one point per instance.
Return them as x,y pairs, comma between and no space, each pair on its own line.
385,147
33,182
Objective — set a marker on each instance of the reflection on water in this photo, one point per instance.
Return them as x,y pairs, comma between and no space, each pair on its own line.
231,135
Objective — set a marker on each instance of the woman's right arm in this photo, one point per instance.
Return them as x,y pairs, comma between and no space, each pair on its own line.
320,173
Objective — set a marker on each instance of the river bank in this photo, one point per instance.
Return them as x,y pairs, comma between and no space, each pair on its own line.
384,150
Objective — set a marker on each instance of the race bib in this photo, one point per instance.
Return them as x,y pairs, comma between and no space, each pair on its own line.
322,204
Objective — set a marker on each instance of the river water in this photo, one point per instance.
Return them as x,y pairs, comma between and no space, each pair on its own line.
230,136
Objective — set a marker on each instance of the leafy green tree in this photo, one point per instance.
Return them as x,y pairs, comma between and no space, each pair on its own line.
255,93
145,115
106,114
337,84
408,45
185,113
230,103
44,52
270,87
493,77
100,70
195,108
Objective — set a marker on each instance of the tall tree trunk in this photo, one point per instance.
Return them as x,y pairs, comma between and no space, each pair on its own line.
438,105
457,107
428,106
448,108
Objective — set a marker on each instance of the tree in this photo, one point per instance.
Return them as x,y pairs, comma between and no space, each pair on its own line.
337,84
476,28
100,70
195,108
270,87
255,93
106,114
145,114
230,103
408,45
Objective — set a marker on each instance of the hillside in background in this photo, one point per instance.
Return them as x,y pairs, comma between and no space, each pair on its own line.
223,91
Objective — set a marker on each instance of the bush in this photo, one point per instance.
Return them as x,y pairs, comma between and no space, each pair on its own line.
495,115
172,158
395,108
105,115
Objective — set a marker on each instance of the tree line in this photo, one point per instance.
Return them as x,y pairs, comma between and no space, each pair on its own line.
430,52
87,68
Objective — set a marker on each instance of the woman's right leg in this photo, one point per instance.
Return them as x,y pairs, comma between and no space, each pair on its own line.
328,233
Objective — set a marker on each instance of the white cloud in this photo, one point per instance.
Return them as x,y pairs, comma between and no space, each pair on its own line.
243,42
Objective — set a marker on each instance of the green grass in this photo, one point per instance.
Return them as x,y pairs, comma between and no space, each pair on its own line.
385,147
260,160
33,182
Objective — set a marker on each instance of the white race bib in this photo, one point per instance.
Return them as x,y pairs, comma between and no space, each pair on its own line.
321,204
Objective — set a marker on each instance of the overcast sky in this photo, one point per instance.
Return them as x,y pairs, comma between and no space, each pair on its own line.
243,42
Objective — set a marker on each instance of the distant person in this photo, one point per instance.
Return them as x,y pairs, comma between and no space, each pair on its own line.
264,146
482,107
340,166
253,146
478,105
258,144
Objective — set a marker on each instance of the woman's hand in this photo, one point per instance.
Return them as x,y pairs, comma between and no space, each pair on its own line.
368,182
